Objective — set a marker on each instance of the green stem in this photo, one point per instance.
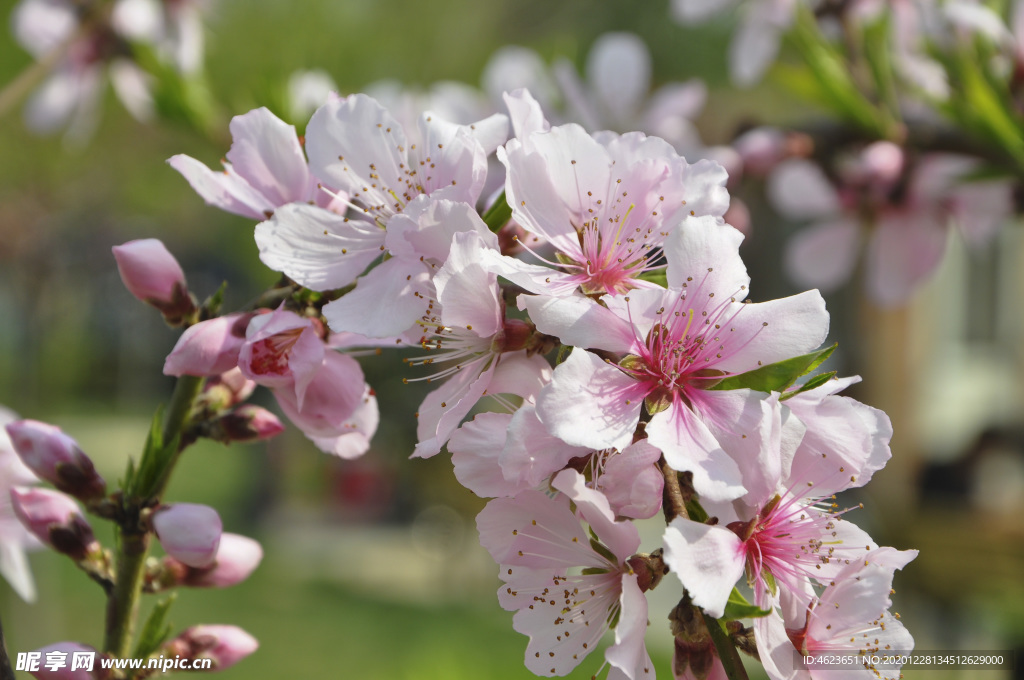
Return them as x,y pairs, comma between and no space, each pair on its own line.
133,538
123,601
731,661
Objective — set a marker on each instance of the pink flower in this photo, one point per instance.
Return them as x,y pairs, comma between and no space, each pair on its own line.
756,42
15,540
675,344
247,423
465,329
56,458
787,532
357,146
851,616
265,169
606,204
71,95
616,94
537,540
188,532
282,350
419,240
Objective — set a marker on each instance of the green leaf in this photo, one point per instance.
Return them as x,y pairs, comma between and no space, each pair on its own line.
213,303
156,628
696,512
658,276
147,470
816,381
498,215
778,376
738,608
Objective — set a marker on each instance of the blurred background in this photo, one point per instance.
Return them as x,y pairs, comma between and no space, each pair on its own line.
372,567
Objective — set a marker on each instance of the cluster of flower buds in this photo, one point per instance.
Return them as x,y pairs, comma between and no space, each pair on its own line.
198,554
670,392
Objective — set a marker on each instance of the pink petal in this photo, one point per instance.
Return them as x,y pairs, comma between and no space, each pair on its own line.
368,138
823,255
775,330
590,403
529,454
799,190
581,322
229,192
632,481
704,255
689,446
405,284
317,248
265,152
629,654
709,560
904,250
622,538
476,448
619,72
469,294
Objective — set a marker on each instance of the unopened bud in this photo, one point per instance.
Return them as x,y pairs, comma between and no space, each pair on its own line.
209,347
237,557
56,520
246,423
224,645
67,650
55,457
151,274
188,532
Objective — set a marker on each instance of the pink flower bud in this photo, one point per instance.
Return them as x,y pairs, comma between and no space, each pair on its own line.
56,458
68,661
54,519
189,533
151,274
247,423
237,557
761,149
225,645
208,347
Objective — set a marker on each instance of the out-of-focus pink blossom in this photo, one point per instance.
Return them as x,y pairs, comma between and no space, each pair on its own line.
56,458
15,539
188,532
911,213
225,645
55,519
248,423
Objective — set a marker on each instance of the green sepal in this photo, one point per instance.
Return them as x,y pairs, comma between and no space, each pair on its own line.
815,382
212,304
156,629
778,376
738,608
591,571
498,215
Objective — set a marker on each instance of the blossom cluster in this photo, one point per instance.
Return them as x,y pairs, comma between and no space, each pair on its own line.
670,391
